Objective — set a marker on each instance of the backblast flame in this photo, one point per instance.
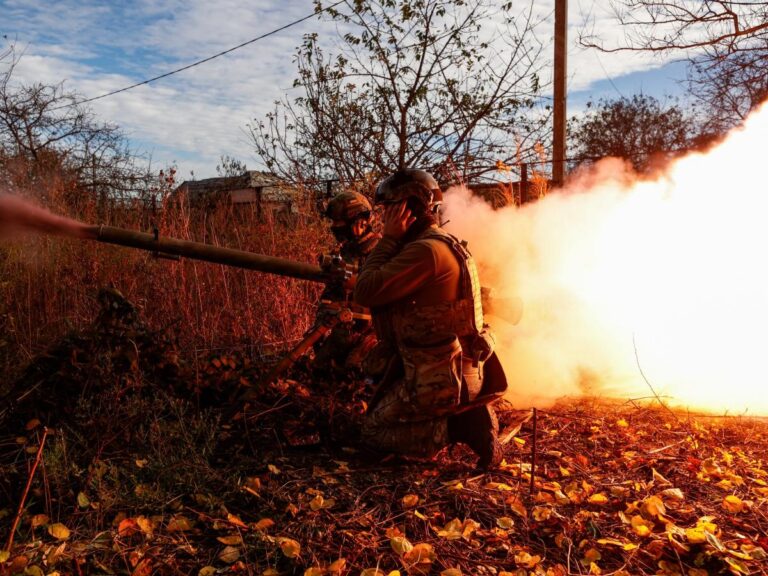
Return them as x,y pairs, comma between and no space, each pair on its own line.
18,215
635,288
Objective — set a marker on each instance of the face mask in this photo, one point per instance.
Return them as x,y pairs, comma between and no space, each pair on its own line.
343,233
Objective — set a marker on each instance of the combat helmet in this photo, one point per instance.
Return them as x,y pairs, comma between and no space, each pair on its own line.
410,183
348,207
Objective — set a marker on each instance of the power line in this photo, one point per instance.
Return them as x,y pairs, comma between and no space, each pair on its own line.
597,56
204,60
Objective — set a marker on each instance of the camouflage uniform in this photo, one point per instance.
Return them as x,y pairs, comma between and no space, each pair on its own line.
434,349
345,346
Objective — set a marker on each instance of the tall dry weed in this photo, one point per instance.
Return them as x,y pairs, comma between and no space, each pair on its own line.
48,285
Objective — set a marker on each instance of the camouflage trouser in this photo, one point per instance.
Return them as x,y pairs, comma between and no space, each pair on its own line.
392,425
411,415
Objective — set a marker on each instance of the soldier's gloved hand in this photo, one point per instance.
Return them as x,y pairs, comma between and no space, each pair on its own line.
397,220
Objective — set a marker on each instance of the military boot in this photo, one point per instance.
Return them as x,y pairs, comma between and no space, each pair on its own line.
478,428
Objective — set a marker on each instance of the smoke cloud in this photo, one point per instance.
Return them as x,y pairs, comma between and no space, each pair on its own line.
18,215
633,287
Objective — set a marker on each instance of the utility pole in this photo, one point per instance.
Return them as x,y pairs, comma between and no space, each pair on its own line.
561,68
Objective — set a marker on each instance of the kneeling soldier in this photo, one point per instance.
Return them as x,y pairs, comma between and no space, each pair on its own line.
437,373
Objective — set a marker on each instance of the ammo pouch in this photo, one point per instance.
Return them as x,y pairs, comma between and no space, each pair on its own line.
432,375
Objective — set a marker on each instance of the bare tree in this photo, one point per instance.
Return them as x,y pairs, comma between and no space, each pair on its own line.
637,129
432,83
229,166
725,41
46,125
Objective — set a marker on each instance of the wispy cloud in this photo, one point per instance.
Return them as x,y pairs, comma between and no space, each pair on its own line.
198,115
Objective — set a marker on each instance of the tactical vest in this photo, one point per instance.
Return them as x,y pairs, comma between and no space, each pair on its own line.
462,317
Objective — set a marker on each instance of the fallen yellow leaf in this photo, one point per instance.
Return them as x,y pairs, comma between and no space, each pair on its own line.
179,524
641,526
733,504
598,498
695,535
35,570
401,545
289,547
146,525
591,555
235,520
410,500
614,542
526,560
451,531
39,520
59,531
673,494
653,506
82,500
320,503
128,528
517,506
337,566
420,554
263,524
499,486
252,485
229,555
231,540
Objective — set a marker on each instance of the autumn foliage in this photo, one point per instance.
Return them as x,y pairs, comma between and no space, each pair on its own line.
616,489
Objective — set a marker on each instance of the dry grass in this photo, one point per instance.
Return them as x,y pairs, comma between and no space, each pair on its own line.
48,286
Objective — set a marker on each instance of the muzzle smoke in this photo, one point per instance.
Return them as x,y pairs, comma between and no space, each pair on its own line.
18,216
619,275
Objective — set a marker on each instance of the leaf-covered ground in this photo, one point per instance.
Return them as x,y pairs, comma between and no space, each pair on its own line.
144,472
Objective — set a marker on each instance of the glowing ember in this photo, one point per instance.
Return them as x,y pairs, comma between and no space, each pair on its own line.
619,275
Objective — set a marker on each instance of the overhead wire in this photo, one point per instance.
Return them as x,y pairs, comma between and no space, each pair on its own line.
204,60
597,56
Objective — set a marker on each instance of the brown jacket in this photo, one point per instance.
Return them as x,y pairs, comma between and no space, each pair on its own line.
422,272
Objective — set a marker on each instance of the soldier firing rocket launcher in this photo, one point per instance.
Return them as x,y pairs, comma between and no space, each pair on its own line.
15,213
330,270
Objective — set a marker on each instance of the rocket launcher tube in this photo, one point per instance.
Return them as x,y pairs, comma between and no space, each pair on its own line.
208,253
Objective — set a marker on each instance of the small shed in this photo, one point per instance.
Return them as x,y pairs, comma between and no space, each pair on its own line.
270,196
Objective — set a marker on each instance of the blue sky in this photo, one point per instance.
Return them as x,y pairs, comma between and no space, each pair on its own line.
194,117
